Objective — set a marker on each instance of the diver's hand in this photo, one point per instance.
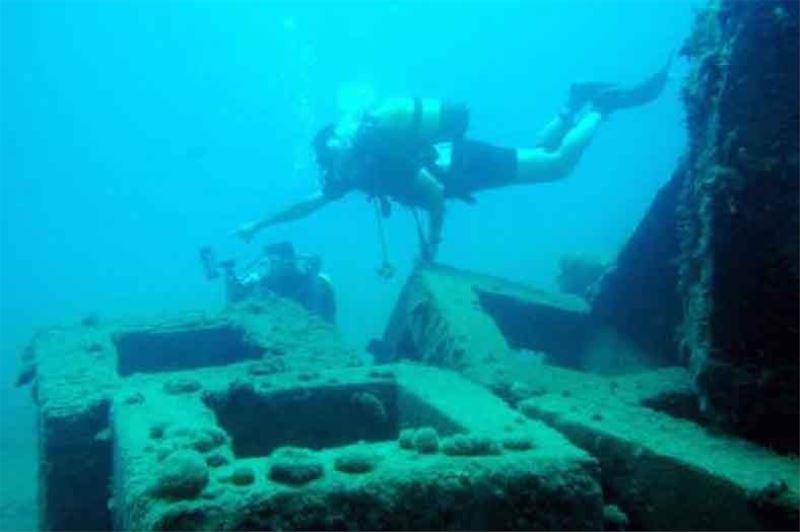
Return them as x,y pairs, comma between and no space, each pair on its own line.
246,232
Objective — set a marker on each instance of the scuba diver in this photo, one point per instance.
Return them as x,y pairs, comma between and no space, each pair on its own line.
281,272
414,151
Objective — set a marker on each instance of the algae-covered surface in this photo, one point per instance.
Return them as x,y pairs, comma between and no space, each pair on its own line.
472,463
665,397
261,418
659,455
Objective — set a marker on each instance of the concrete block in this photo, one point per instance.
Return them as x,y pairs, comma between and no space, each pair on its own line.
320,451
658,464
76,370
466,321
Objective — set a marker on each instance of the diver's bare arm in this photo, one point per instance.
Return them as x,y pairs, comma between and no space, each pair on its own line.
297,211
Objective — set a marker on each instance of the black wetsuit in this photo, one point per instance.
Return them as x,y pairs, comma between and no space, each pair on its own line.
385,163
476,166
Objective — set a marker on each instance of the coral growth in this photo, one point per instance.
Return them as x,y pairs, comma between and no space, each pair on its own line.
406,439
182,475
470,445
426,440
356,460
518,442
295,466
201,439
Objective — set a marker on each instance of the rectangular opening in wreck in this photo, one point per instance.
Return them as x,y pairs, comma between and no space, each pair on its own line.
313,417
153,351
680,405
323,416
560,334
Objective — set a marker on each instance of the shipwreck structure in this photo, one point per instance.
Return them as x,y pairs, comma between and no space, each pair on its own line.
261,419
667,401
710,278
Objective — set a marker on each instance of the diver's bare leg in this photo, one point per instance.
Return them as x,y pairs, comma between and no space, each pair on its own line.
580,94
561,143
537,165
552,134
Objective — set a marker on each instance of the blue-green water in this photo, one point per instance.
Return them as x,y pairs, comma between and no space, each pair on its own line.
134,132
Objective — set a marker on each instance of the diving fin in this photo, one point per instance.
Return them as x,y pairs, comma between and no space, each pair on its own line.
582,93
617,97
